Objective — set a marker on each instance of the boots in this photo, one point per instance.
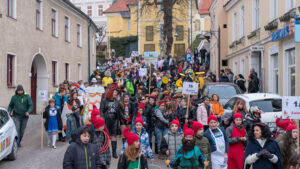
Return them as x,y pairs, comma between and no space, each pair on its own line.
123,140
156,149
161,156
114,149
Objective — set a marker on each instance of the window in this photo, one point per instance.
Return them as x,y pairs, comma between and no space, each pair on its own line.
234,27
10,69
273,9
128,23
39,14
179,32
12,8
197,25
255,14
235,65
290,4
67,71
67,29
54,73
242,66
4,117
274,73
242,21
54,25
89,10
79,72
229,105
179,49
268,105
149,33
291,60
100,10
78,35
149,47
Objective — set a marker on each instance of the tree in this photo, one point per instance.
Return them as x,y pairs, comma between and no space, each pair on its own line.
167,8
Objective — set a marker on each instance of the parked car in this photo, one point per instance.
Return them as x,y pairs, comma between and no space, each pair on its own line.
8,136
270,104
225,90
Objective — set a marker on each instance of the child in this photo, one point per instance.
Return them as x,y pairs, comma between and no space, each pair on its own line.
82,154
140,110
203,111
282,125
201,142
217,107
237,138
188,155
144,138
132,157
218,143
53,122
172,140
101,140
240,107
73,122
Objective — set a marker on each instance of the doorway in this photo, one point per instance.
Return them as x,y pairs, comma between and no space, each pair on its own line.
256,62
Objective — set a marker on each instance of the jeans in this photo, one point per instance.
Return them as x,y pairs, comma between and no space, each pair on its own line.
21,124
159,133
150,133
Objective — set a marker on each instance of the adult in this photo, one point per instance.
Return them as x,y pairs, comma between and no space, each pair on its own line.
19,108
223,78
240,81
229,74
253,85
262,151
202,55
149,113
107,79
161,123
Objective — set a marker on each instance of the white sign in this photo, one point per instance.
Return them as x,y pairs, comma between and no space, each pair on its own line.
291,107
142,72
43,95
134,53
128,60
190,88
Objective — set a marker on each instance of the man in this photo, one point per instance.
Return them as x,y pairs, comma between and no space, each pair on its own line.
149,113
19,108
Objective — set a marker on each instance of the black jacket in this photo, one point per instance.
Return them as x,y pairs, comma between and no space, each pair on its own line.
249,121
78,154
253,86
241,84
149,113
58,117
112,109
124,162
181,116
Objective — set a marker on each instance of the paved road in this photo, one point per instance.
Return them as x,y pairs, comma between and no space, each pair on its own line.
30,155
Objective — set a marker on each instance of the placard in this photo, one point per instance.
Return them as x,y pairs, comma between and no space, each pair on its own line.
291,107
190,88
142,72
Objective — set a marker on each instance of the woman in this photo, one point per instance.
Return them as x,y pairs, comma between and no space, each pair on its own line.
74,99
262,151
203,111
112,111
132,157
240,81
240,107
288,145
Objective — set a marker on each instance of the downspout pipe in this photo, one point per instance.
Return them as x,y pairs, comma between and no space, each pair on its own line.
89,52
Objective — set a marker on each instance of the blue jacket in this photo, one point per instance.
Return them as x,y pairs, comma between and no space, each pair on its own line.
212,142
271,145
57,99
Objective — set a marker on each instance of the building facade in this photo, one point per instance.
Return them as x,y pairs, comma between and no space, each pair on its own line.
261,37
44,42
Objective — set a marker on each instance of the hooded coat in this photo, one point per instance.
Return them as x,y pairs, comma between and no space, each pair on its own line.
20,104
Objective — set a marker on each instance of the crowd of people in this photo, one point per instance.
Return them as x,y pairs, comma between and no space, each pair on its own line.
153,117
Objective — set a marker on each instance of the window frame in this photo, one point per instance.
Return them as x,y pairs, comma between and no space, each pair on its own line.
39,14
67,28
79,35
149,33
273,9
11,9
255,14
234,26
242,21
128,24
67,71
54,22
100,10
89,11
54,73
79,65
153,46
179,29
10,69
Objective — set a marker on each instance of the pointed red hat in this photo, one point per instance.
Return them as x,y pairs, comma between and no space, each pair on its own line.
212,117
284,123
130,137
187,131
196,126
76,85
139,119
97,122
176,121
141,105
291,127
237,115
95,111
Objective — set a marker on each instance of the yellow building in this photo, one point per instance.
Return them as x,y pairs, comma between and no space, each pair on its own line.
260,38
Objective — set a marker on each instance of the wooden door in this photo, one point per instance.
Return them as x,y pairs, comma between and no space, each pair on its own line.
33,88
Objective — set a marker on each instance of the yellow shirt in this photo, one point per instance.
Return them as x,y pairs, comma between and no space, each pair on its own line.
106,81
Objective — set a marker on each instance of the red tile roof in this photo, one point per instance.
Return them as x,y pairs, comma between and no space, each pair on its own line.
204,7
120,6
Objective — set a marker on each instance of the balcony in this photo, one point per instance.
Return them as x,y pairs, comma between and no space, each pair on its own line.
271,25
288,15
253,33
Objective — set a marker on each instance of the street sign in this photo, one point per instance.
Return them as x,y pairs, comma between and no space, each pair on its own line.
291,107
189,51
189,57
190,88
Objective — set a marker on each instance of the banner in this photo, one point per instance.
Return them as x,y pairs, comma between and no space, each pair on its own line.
151,57
291,107
190,88
143,72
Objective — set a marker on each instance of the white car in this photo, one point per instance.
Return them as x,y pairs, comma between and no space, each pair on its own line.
270,104
8,136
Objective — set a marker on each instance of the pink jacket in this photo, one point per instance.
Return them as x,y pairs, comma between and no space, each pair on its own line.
202,113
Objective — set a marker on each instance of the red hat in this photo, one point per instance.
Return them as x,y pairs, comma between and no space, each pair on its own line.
95,111
153,97
240,102
161,103
97,122
169,99
76,85
284,123
291,127
196,126
115,85
139,119
212,117
237,115
141,105
187,131
130,137
176,121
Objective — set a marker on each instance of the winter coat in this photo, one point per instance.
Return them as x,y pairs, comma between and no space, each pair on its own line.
98,140
58,100
124,162
171,142
181,116
161,122
72,125
46,115
203,144
253,147
293,148
149,113
20,104
202,113
253,86
223,79
212,142
241,83
230,77
81,156
144,143
249,121
217,108
193,114
111,109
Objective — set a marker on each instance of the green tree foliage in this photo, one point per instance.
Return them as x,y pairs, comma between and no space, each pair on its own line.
119,44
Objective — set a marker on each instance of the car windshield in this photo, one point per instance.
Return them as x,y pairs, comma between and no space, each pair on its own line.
268,105
224,92
3,118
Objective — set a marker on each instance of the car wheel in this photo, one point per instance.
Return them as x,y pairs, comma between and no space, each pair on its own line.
14,151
